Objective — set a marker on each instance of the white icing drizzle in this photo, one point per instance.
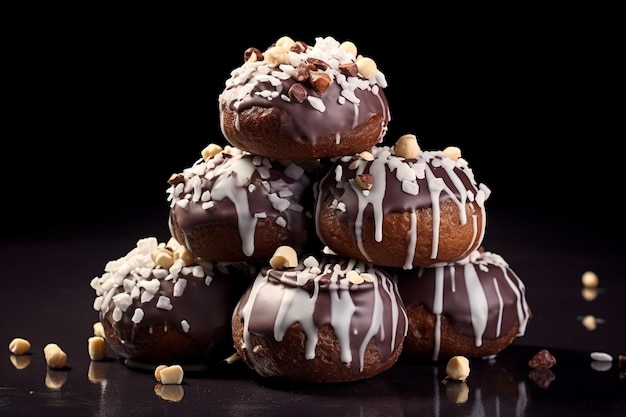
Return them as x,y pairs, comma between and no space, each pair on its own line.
473,265
408,172
438,309
297,305
479,308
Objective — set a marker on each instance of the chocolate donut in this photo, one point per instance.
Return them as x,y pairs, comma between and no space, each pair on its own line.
233,206
324,320
157,306
475,307
302,101
395,209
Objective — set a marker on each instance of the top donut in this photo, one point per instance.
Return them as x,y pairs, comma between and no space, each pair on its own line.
300,101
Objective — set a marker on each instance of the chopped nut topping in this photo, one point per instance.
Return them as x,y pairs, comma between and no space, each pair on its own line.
349,69
211,150
297,92
348,46
364,181
542,359
284,257
252,55
299,47
302,72
354,277
406,147
176,179
317,63
367,67
285,42
319,81
452,152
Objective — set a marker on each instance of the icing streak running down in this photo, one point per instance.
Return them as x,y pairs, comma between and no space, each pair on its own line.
402,186
481,294
321,295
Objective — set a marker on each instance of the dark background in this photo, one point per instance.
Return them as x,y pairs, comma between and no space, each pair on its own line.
101,107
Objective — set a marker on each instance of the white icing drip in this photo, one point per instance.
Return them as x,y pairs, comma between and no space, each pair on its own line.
500,307
438,309
523,311
342,309
410,249
479,308
246,311
297,306
229,186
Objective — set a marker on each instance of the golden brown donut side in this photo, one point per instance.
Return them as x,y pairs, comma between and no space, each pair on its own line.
258,129
285,359
456,240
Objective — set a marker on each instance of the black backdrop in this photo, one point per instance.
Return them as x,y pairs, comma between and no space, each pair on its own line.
102,110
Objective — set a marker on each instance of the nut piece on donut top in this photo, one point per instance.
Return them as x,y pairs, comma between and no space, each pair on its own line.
327,319
401,206
233,206
297,100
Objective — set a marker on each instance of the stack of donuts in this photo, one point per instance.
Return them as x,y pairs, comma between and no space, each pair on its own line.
317,248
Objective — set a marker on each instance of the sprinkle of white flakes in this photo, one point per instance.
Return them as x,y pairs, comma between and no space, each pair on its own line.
137,316
316,103
164,303
185,326
280,204
179,287
294,171
281,221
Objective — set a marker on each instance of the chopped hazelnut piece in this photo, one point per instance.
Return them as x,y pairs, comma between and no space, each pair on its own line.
367,67
364,181
589,279
284,257
348,46
458,368
211,150
319,81
55,357
252,55
19,346
452,152
406,147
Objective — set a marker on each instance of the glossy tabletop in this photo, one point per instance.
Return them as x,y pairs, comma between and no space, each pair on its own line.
47,299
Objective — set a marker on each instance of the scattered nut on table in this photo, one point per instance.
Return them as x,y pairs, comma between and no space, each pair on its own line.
169,374
97,348
55,357
458,368
19,346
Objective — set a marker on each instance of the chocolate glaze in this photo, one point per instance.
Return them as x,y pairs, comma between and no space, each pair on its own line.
432,176
480,294
129,295
258,84
236,187
314,297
